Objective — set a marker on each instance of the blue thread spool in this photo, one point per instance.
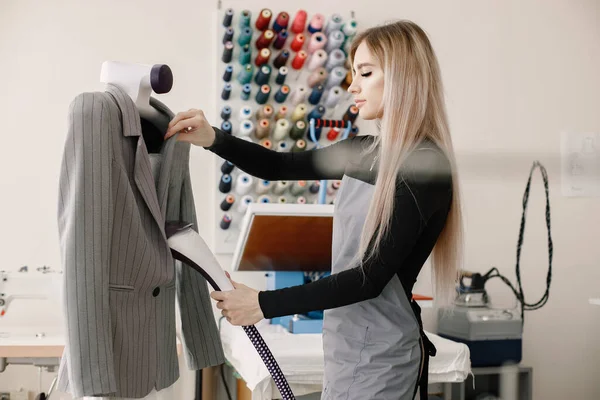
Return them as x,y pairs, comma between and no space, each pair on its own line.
262,96
226,91
225,183
228,36
282,94
315,95
227,167
245,75
245,113
228,17
227,52
281,75
226,127
228,73
246,90
226,113
316,113
245,55
245,36
245,18
263,75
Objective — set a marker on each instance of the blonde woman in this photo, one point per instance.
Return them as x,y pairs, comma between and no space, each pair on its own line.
397,205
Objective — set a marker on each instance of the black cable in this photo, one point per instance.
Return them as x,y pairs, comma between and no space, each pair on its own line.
221,368
519,293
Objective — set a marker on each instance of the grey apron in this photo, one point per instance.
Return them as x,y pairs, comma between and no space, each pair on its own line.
372,348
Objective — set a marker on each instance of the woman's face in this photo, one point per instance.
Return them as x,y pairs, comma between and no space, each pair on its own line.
367,84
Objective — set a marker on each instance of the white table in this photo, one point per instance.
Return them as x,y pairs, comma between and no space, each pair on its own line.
300,357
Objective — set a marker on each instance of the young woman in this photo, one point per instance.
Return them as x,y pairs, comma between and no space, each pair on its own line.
397,205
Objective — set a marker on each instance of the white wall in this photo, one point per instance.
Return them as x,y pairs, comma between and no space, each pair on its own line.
517,73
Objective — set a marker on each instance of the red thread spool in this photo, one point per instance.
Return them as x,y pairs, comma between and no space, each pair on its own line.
283,19
264,19
266,143
265,39
298,42
262,57
333,133
299,59
299,22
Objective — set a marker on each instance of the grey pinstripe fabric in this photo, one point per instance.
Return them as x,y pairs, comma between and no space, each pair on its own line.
120,338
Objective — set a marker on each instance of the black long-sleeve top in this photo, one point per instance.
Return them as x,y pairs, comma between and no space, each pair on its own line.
423,196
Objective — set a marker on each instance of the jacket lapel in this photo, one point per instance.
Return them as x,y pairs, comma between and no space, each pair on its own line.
142,170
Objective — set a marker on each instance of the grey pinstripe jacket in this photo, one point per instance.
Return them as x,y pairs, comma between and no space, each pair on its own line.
120,278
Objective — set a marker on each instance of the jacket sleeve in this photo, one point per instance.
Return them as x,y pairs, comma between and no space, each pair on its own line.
85,214
198,324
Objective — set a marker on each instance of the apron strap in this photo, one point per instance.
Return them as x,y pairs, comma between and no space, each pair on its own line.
430,351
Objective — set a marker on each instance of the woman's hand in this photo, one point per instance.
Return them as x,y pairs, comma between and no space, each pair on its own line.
194,128
240,306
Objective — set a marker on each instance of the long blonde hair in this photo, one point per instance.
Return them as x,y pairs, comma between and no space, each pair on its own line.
414,109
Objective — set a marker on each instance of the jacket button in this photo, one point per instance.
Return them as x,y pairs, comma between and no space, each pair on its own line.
156,291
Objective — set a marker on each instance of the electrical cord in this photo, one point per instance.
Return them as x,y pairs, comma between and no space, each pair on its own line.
518,291
221,369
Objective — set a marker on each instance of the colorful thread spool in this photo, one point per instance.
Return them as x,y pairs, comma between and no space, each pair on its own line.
227,202
281,38
318,59
266,143
226,113
282,94
299,95
281,200
228,18
316,113
301,200
246,128
334,95
316,94
282,128
263,186
263,129
245,75
349,29
265,39
333,134
228,36
264,199
245,17
227,167
244,202
245,36
351,114
281,113
281,59
336,58
314,187
225,183
299,59
245,55
281,75
299,112
264,112
298,42
299,145
316,23
353,131
263,57
246,92
245,112
298,187
226,127
335,40
227,52
281,22
348,81
264,19
243,184
263,75
280,187
318,77
225,222
282,146
228,73
336,76
298,130
317,42
299,22
334,23
226,93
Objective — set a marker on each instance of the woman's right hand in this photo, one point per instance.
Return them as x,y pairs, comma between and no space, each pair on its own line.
193,128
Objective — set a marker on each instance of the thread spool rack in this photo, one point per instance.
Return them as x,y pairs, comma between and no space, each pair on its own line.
251,51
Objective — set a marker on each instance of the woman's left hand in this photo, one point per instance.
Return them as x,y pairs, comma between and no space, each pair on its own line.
240,306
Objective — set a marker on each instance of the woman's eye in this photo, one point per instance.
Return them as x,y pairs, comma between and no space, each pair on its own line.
365,74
